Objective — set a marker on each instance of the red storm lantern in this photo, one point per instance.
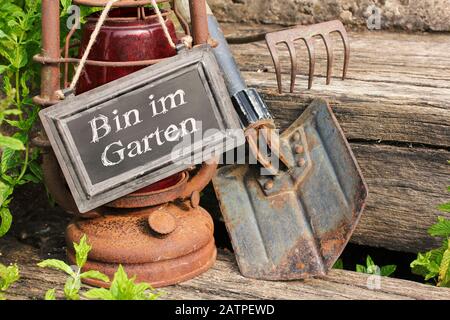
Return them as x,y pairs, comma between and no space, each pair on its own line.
159,234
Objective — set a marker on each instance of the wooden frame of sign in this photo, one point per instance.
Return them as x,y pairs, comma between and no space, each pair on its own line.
137,130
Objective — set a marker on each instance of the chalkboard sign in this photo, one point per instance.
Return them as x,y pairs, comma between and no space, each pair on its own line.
142,128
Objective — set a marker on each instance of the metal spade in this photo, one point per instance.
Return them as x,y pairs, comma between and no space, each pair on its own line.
296,223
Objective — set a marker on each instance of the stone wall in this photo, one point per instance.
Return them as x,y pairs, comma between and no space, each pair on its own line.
411,15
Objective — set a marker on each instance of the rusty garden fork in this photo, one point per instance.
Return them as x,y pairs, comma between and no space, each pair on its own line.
307,34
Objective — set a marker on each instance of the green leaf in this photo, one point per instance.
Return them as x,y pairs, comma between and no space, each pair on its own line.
29,178
388,270
120,284
360,268
14,112
97,275
65,6
3,68
81,251
16,124
72,288
99,294
6,221
444,207
339,264
7,161
36,170
425,265
58,265
444,269
5,192
441,228
50,294
369,261
11,143
8,275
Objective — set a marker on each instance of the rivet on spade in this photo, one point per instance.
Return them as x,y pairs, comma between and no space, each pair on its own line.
268,185
162,222
296,136
299,149
195,199
301,162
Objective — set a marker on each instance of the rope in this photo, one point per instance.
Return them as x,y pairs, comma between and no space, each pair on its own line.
163,24
91,42
187,40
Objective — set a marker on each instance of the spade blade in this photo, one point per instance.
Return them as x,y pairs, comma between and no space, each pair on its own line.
296,224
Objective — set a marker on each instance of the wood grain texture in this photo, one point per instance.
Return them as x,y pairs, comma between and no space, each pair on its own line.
394,108
223,282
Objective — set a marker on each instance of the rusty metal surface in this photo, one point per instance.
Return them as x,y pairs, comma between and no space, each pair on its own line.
199,21
162,245
295,225
117,64
307,34
185,188
122,3
142,199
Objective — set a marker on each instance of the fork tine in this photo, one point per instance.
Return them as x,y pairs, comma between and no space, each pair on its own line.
272,45
294,66
312,60
307,34
330,55
346,41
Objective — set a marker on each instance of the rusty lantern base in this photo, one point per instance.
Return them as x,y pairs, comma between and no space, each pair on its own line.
161,245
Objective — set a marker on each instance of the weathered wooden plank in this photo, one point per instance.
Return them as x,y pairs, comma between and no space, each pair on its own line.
405,187
394,108
398,86
223,281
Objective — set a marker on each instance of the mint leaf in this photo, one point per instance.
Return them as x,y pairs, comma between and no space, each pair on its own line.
11,143
50,294
81,251
369,261
92,274
71,288
58,265
360,268
3,68
8,275
6,221
339,264
441,228
5,192
99,294
386,271
444,269
444,207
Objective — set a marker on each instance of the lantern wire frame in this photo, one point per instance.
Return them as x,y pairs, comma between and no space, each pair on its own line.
141,14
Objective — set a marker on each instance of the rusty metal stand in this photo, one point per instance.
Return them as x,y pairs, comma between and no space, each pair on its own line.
157,235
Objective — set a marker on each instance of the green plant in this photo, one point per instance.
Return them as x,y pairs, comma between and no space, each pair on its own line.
123,288
19,41
20,38
73,283
339,264
8,275
372,268
435,264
